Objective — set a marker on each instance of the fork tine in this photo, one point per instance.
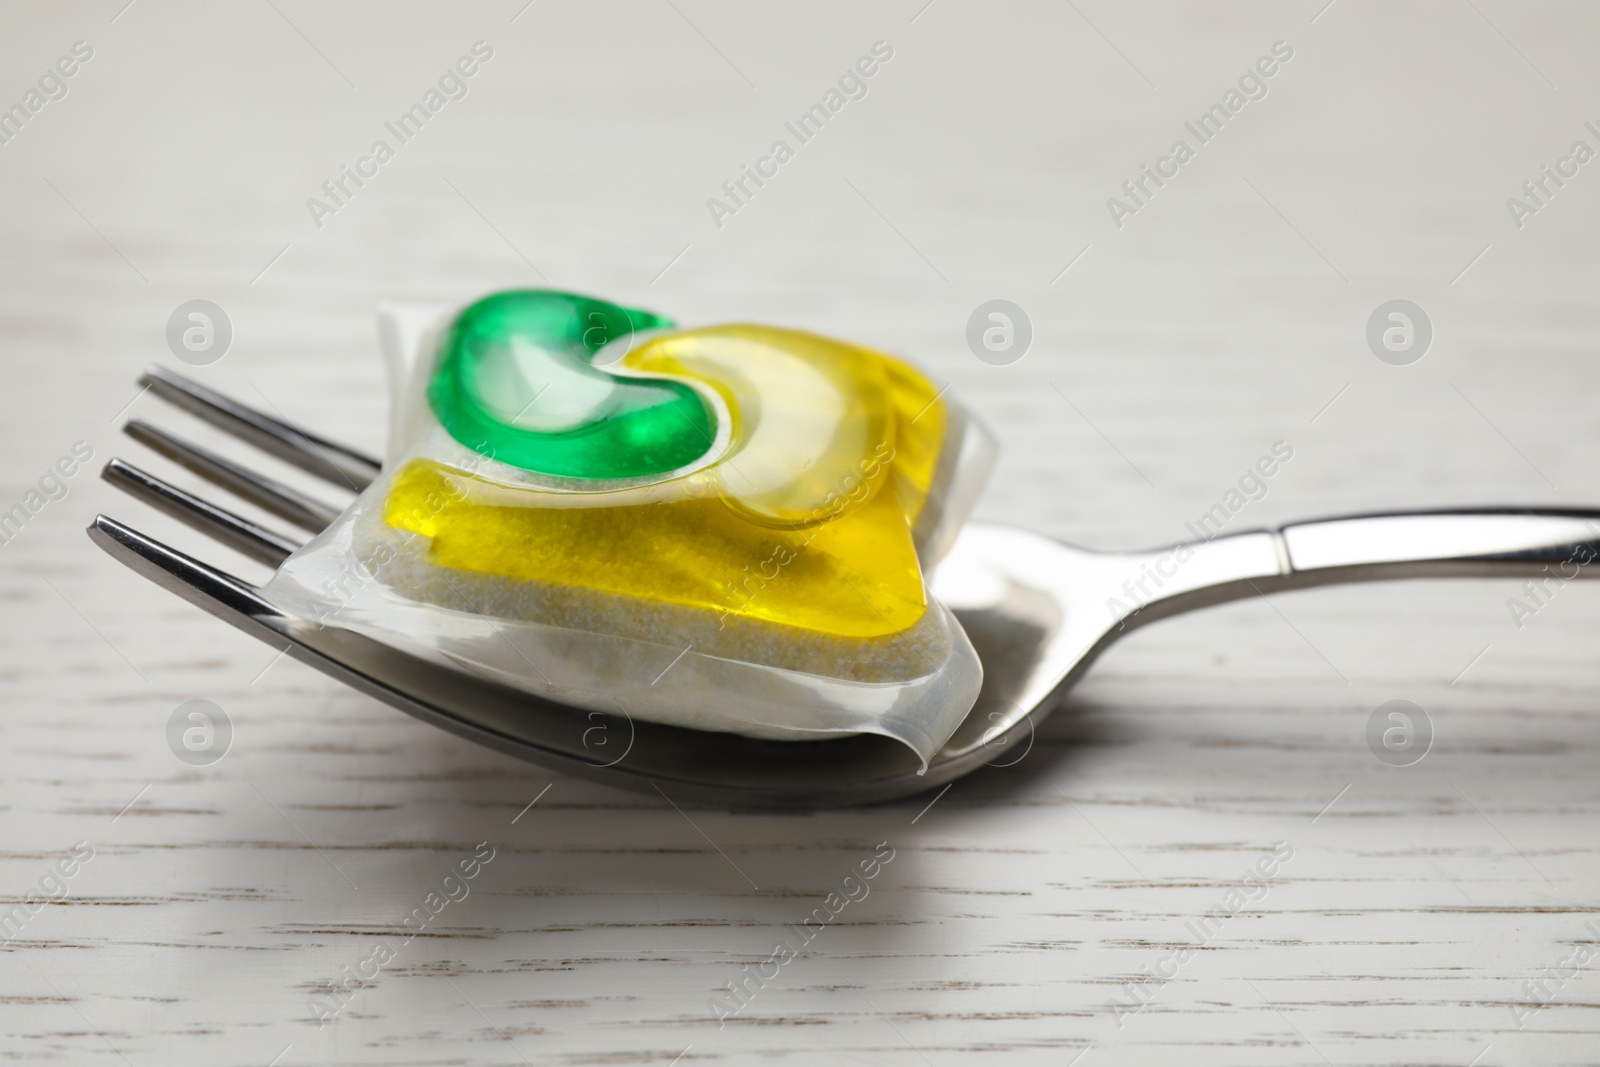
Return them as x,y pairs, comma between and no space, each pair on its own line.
214,591
237,532
516,723
327,459
304,511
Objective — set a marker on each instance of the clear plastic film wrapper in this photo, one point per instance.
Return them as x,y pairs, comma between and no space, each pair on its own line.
724,528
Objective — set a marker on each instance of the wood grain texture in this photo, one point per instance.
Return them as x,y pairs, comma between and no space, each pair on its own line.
1028,901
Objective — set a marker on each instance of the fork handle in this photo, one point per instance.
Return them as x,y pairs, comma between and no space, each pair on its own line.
1483,542
1548,545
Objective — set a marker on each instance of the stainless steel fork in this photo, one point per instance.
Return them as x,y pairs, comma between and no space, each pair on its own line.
1037,611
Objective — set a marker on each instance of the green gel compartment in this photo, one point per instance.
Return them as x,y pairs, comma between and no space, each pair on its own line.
517,382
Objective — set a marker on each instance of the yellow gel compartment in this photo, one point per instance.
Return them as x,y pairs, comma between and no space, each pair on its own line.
799,532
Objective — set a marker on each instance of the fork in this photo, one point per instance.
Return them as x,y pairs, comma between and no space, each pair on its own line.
1037,611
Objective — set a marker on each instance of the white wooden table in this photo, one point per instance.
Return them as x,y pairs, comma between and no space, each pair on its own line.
1226,314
